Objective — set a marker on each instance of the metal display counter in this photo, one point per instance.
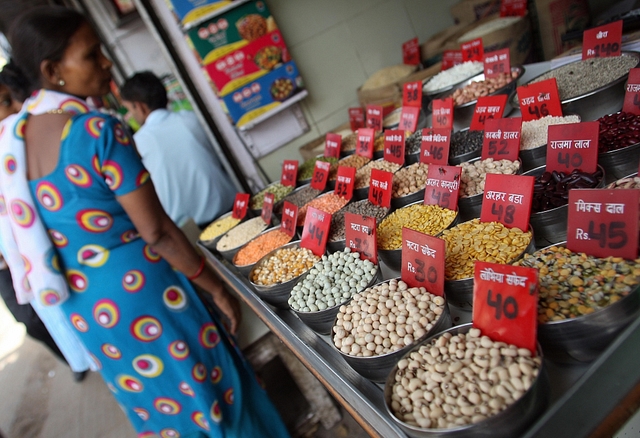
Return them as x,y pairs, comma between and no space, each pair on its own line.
587,400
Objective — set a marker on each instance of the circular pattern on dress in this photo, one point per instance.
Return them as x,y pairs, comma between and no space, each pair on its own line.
78,175
112,173
21,124
49,297
26,264
74,106
146,328
79,322
150,254
228,396
169,433
148,365
94,221
58,239
133,281
10,164
93,255
208,335
186,389
111,351
174,298
147,435
129,236
142,413
95,163
25,283
142,177
216,412
49,196
78,282
199,373
3,206
106,313
121,135
65,130
199,418
216,374
52,261
22,213
178,350
93,125
166,405
129,383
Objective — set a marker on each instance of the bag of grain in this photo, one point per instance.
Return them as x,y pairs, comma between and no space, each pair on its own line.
431,50
554,18
468,11
381,88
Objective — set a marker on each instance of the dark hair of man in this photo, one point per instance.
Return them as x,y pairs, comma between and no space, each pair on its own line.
40,34
14,80
145,87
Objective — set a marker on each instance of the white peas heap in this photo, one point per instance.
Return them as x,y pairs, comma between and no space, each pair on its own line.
385,318
460,379
332,281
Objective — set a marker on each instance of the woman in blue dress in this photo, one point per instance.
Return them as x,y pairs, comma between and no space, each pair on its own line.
81,207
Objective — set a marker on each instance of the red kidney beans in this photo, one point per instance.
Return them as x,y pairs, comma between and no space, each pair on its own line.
617,131
551,189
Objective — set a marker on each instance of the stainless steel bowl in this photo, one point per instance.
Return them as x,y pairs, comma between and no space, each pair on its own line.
246,269
277,208
437,94
275,294
321,321
377,368
511,422
229,254
211,243
620,162
258,211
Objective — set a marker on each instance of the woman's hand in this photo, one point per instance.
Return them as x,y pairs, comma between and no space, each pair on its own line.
230,307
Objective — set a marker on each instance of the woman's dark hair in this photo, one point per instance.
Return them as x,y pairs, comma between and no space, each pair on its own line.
145,87
40,34
14,80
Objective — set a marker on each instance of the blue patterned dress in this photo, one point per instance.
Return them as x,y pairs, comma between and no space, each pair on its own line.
169,365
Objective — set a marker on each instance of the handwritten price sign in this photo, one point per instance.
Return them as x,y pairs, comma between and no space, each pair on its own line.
496,63
513,8
507,199
423,261
443,186
505,303
573,146
240,205
332,145
356,118
289,173
409,118
374,117
604,223
539,100
442,113
320,175
472,50
315,231
289,218
502,139
380,186
365,141
394,146
360,236
412,94
434,146
345,181
450,58
487,107
411,52
632,93
602,41
267,208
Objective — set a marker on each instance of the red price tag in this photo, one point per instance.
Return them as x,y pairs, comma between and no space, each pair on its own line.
442,187
364,145
442,113
289,173
488,107
502,139
240,205
374,117
472,50
267,207
505,303
412,94
360,235
289,218
332,145
604,223
450,58
496,63
632,94
539,99
602,41
434,146
394,146
315,231
411,52
356,118
409,118
380,187
345,181
513,8
320,175
573,146
423,261
507,199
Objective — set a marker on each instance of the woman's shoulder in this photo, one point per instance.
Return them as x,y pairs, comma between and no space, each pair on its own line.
95,123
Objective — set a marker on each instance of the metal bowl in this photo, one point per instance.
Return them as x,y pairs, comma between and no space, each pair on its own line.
339,245
437,94
460,292
511,422
462,114
377,368
463,158
321,321
275,294
536,157
363,192
550,226
246,269
229,254
619,163
592,105
277,208
211,243
258,211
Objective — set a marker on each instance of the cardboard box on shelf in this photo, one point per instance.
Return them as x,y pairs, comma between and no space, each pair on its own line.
468,11
553,18
316,147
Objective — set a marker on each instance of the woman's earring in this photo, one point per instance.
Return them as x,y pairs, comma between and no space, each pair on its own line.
61,82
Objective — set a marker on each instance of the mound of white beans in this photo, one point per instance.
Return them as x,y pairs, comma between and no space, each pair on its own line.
474,174
238,236
385,318
460,379
332,281
455,74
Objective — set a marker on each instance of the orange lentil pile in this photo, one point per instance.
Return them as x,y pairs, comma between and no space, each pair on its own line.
329,203
260,246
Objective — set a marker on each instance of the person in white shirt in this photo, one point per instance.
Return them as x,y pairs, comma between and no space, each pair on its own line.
184,168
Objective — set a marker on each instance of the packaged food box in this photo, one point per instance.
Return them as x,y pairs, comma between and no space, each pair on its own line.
231,30
189,11
263,94
232,71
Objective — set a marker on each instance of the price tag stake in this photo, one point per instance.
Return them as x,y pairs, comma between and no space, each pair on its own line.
496,63
507,199
487,108
320,175
267,207
602,41
472,50
412,94
451,58
409,118
315,231
394,146
443,113
423,261
411,52
442,186
332,145
573,146
240,205
289,173
434,146
289,218
502,139
374,117
345,181
539,100
360,236
380,187
632,93
356,118
364,145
